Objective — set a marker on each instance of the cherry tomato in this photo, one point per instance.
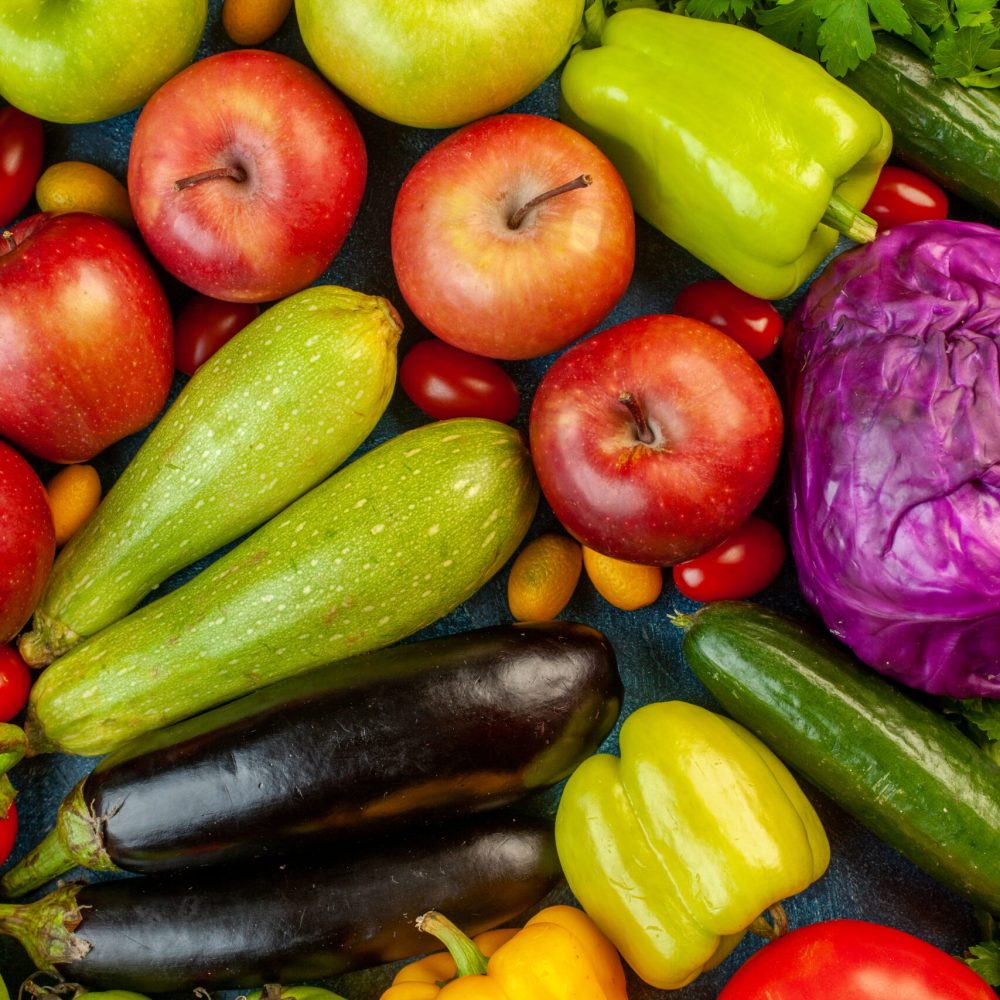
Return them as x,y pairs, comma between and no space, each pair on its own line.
743,565
753,323
8,832
204,325
902,196
15,681
445,381
22,143
853,960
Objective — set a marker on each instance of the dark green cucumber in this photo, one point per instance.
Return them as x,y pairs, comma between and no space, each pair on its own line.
939,127
890,761
382,548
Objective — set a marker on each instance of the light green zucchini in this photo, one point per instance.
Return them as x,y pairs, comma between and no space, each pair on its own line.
381,549
270,415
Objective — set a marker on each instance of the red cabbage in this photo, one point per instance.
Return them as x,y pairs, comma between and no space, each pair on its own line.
893,362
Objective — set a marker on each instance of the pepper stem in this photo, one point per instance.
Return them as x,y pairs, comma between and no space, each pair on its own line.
841,215
584,180
774,928
469,960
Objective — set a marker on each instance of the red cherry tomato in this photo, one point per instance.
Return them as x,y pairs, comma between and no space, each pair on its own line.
15,682
753,323
743,565
22,143
204,325
902,196
853,960
8,832
445,382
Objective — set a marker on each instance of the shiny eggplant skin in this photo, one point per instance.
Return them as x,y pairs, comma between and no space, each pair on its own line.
436,728
308,917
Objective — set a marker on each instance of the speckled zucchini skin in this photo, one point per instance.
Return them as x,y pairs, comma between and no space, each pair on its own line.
381,549
270,415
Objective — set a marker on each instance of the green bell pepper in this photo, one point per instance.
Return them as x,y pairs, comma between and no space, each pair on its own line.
675,849
747,154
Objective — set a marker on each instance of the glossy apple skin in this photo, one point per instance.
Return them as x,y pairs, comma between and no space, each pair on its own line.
512,293
437,63
717,426
275,232
27,541
93,59
86,337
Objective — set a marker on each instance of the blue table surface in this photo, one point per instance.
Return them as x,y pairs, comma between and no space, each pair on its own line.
866,879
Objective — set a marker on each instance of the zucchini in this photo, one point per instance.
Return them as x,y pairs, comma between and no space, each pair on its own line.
424,730
948,132
272,413
893,763
384,547
288,918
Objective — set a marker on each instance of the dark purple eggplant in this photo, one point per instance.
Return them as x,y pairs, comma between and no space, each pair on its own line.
286,920
436,728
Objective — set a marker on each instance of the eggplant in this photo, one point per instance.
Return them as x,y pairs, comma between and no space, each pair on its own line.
286,919
437,728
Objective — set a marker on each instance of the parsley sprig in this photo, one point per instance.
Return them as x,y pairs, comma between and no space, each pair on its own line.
961,38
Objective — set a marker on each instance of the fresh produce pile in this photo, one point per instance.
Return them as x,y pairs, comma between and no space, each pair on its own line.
509,463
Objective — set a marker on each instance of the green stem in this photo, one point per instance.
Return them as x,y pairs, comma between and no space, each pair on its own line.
681,620
46,928
845,218
469,960
43,863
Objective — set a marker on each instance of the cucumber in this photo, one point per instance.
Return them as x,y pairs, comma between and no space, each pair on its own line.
893,763
381,549
270,415
939,127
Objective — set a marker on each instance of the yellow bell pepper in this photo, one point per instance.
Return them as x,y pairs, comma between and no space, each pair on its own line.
678,847
558,955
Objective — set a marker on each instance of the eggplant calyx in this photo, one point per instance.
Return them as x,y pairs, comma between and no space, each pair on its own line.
46,928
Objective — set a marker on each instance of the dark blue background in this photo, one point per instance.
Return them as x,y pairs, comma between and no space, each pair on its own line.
866,879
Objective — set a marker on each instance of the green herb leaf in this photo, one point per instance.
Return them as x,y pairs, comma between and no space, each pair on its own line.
958,53
891,15
985,961
718,10
794,24
845,38
970,13
982,713
929,14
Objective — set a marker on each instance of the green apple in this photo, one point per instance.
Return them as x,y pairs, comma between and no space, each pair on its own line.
76,61
437,63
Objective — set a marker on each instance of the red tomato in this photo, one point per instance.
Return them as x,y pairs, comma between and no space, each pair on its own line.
204,325
15,681
8,832
22,143
753,323
445,381
902,196
743,565
853,960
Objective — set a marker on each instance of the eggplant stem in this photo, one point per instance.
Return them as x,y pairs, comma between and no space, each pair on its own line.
469,960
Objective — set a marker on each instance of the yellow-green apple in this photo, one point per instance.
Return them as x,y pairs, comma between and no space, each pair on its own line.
245,174
654,440
27,541
512,237
437,63
86,338
93,59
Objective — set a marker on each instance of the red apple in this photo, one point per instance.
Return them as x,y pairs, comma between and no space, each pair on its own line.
245,174
86,338
491,275
27,541
654,440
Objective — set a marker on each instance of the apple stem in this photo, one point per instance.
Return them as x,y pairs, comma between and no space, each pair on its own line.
237,174
645,434
584,180
8,237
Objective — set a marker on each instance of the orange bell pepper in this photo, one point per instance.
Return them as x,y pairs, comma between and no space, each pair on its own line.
558,955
